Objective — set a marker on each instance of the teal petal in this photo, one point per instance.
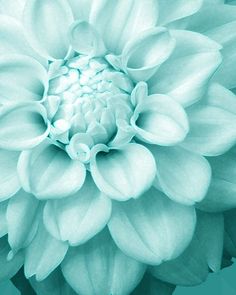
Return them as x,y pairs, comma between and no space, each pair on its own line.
230,232
158,228
41,169
78,218
212,130
22,78
81,9
13,8
47,24
143,55
123,173
9,180
43,255
185,75
23,126
99,267
158,119
22,220
3,220
9,267
183,176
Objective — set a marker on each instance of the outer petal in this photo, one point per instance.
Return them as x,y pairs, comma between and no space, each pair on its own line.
22,220
22,78
185,75
43,168
9,267
13,8
47,23
9,181
3,220
174,10
212,130
222,192
158,228
99,267
22,126
119,21
183,176
123,173
78,218
143,55
43,255
160,120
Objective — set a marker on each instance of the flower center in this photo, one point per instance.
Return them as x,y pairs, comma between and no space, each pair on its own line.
86,99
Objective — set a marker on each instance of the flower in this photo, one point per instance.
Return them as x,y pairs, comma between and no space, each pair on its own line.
107,117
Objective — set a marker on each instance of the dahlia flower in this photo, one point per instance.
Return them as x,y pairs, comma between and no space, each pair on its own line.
111,125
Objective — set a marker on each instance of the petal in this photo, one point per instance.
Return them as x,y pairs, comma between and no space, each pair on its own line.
151,286
123,173
158,228
22,220
119,21
22,126
183,176
9,181
41,169
221,195
9,267
230,233
160,120
78,218
43,255
143,55
3,220
22,78
12,8
81,9
48,24
174,10
99,267
185,75
86,40
212,130
13,39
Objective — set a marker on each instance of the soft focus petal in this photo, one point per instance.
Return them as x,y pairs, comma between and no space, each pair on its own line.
212,130
13,8
22,126
152,286
160,120
43,255
143,55
47,23
22,78
183,176
22,219
43,168
158,228
9,181
172,10
3,220
119,21
123,173
78,218
9,267
99,267
185,75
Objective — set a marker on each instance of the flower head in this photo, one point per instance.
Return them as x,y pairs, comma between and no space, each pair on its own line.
106,118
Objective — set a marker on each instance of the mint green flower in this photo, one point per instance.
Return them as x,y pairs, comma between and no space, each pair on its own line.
106,121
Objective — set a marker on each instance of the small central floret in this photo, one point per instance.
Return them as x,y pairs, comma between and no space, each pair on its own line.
84,98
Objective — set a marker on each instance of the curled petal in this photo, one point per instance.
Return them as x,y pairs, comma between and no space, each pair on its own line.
23,126
142,56
123,173
82,268
212,130
43,255
160,120
47,23
159,229
43,168
78,218
183,176
9,180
